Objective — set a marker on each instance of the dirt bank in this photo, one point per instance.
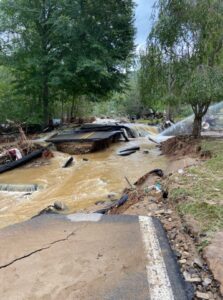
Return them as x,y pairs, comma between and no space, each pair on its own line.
190,210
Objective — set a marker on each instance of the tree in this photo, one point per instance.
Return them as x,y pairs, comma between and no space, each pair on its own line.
82,47
188,35
205,86
158,79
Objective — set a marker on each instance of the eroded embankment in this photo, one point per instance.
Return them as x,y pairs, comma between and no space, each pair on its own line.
192,213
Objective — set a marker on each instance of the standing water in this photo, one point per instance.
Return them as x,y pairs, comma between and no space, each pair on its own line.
96,177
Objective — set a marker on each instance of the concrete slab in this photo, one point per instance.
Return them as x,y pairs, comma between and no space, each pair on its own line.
93,136
88,257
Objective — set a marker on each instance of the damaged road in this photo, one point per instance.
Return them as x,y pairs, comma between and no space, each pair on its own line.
89,257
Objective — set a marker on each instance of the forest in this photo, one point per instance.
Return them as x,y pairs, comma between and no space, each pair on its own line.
64,59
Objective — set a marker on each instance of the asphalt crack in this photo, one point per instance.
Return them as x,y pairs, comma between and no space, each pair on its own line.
38,250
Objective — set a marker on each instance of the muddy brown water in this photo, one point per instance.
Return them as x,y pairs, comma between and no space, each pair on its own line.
79,186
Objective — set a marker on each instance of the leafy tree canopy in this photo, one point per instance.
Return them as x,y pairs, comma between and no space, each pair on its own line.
187,61
83,47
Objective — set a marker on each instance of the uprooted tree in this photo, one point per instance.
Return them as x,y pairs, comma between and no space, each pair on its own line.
184,56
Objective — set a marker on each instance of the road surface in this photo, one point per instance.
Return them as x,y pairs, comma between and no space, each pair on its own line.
88,257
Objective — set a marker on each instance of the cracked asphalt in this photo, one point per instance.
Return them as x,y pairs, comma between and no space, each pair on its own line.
88,257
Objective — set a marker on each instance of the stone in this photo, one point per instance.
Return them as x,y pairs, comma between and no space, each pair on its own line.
160,212
173,235
182,261
207,281
112,195
186,254
191,279
177,253
169,226
213,256
186,247
59,205
194,279
198,262
204,296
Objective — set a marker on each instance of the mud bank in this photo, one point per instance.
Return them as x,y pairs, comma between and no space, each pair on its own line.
200,264
193,265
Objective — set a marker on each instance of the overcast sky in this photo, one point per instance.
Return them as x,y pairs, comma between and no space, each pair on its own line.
143,22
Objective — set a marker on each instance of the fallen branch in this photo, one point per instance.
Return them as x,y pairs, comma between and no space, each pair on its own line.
152,140
129,183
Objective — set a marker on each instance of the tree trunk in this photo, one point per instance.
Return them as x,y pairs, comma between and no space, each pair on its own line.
72,109
168,112
62,109
197,126
45,103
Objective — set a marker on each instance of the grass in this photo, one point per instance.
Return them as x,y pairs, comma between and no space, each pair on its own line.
179,193
209,216
199,192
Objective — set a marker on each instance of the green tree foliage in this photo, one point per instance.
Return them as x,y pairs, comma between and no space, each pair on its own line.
187,36
72,48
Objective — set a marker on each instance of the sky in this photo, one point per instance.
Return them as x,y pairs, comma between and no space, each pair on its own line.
143,21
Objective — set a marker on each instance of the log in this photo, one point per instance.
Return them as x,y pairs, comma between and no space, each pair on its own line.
68,162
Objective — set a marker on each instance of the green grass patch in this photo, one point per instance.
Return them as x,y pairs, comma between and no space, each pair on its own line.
179,193
209,216
201,187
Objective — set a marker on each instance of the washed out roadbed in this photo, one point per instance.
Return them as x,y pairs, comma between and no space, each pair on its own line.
191,210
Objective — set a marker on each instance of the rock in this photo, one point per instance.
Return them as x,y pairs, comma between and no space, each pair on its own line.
160,212
214,258
112,195
198,262
186,254
177,253
204,296
169,226
58,205
181,171
182,261
207,281
146,152
191,279
85,159
186,247
194,279
192,271
173,235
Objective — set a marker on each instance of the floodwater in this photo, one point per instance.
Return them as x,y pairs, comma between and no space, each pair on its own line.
79,186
